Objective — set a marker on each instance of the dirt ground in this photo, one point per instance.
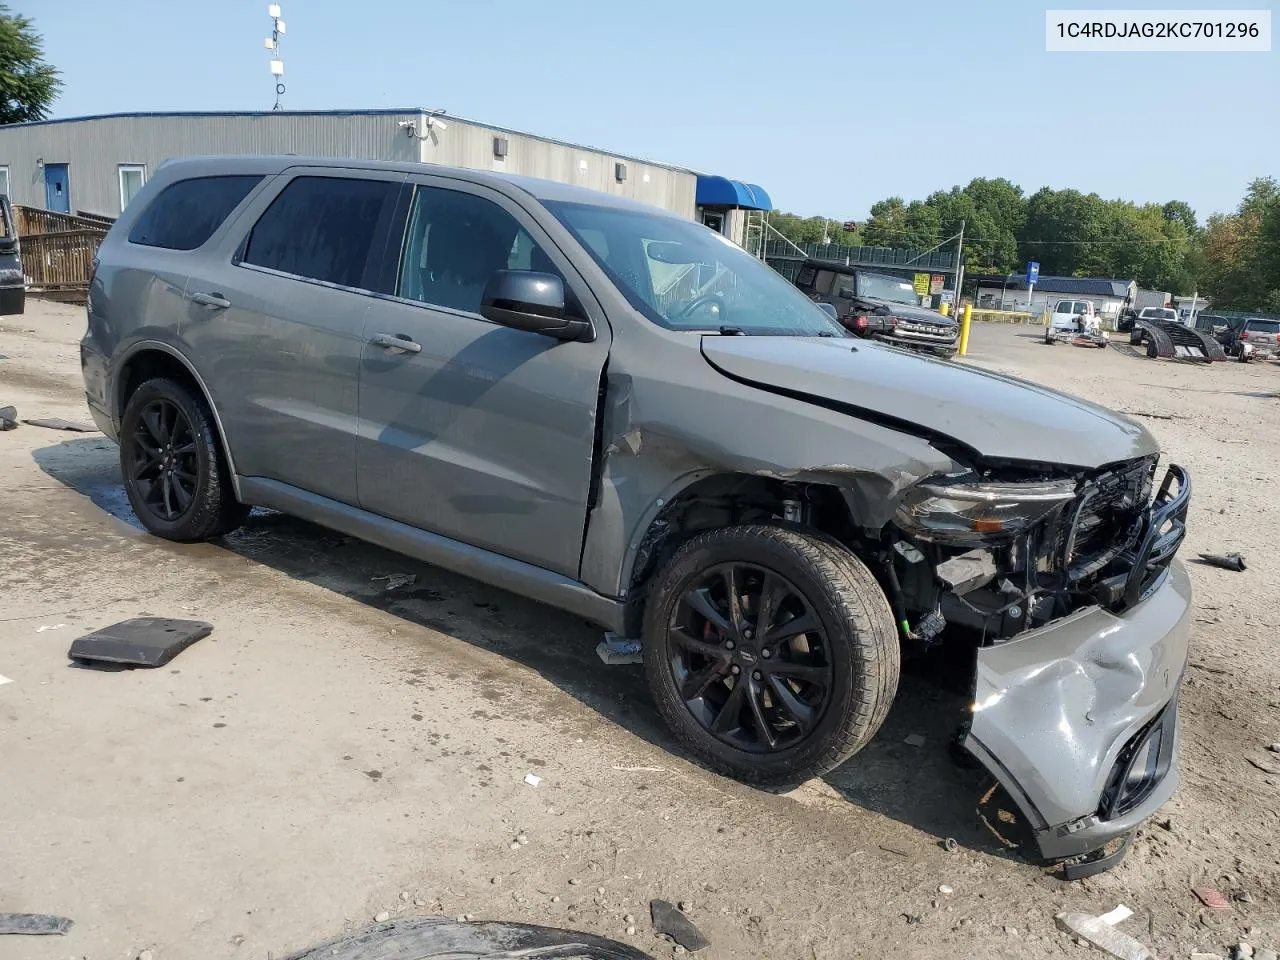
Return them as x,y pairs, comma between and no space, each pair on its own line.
336,750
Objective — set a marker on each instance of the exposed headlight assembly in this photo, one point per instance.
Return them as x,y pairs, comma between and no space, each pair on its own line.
978,513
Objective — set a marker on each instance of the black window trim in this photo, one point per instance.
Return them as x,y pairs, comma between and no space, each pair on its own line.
378,243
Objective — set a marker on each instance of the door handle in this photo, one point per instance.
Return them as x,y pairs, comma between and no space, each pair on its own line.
213,300
396,341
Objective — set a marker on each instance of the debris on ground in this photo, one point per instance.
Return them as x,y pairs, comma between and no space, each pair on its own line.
49,626
382,917
4,680
532,779
615,650
1102,936
1265,953
435,938
950,845
397,580
1242,951
1118,915
1265,768
57,423
1227,561
1211,898
8,418
913,740
33,924
142,642
946,889
1274,748
669,921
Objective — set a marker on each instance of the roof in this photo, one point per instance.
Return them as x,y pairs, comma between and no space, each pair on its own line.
715,191
1072,286
381,112
539,189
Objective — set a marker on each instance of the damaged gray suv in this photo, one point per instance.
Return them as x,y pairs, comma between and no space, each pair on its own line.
617,412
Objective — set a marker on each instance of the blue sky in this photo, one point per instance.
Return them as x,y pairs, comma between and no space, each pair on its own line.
830,105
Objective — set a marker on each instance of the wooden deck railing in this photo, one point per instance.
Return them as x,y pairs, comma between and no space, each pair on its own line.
58,251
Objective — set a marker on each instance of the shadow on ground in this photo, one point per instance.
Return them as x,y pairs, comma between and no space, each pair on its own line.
917,785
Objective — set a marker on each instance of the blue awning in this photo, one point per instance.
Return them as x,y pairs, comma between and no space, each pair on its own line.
721,192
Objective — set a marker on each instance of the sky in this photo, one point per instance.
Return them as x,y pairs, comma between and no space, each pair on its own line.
830,105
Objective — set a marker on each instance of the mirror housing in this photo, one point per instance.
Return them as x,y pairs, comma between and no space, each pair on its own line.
829,310
8,244
531,301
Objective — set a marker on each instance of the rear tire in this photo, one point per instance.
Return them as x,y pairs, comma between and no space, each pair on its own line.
174,472
809,699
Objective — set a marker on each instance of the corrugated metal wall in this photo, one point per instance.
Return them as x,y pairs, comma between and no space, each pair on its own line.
94,148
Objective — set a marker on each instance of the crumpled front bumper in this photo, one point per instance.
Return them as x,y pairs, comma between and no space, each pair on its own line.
1060,714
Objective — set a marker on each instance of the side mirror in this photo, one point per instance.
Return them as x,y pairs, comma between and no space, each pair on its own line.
829,310
8,244
526,300
846,293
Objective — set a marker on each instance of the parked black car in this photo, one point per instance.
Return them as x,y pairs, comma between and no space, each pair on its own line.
13,285
876,305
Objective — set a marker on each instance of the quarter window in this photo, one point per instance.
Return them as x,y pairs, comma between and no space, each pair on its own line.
455,242
186,213
321,228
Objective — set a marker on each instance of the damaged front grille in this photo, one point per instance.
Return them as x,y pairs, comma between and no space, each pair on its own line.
1109,546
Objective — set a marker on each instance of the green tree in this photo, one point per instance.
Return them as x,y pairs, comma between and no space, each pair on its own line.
28,85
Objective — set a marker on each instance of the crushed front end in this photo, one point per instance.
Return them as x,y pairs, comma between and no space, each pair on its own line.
1081,615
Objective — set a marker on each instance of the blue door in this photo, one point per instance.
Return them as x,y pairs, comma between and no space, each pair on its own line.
57,188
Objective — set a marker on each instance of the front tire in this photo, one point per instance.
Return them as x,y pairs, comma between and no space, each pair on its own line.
771,652
174,472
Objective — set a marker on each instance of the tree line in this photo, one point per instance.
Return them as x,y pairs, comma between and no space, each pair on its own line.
1234,258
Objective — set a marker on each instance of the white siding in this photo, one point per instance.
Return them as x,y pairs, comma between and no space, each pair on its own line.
95,147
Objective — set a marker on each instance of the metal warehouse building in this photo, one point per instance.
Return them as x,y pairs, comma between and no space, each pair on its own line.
95,165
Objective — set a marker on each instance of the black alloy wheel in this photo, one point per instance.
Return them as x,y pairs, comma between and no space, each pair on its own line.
163,463
749,658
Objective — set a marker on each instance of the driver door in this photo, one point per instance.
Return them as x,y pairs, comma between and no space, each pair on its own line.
469,429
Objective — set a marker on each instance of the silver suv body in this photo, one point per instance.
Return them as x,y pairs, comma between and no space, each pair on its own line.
617,412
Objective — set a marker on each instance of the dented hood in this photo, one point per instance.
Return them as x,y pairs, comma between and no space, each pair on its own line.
997,416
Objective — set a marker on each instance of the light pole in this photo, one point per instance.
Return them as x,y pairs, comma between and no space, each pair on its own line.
273,44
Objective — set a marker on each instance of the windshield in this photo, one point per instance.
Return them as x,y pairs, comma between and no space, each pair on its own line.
682,276
1159,313
887,288
1263,326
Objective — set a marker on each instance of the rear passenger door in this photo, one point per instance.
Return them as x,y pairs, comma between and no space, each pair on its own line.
275,317
477,431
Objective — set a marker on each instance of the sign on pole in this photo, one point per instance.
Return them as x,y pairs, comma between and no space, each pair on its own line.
921,284
1033,272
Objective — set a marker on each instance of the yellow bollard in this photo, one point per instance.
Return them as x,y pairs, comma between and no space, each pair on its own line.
945,309
964,328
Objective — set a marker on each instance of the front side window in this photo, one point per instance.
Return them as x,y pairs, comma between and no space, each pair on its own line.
132,177
321,228
681,276
187,213
455,242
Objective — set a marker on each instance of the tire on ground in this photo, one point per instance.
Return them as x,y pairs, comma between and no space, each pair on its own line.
214,510
862,644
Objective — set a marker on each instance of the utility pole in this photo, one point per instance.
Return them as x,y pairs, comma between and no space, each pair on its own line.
959,267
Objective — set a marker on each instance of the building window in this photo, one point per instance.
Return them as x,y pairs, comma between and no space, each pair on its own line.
4,181
132,177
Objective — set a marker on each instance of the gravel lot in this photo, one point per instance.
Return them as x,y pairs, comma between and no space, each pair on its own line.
335,750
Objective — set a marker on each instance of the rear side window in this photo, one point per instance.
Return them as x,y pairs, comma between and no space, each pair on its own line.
1263,326
321,228
186,213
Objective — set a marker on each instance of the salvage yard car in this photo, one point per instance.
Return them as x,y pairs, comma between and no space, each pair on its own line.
1253,339
880,307
491,374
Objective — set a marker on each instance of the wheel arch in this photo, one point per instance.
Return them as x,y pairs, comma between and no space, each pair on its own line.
152,358
705,500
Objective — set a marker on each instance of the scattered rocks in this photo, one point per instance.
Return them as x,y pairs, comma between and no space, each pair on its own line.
1242,951
946,889
146,955
495,881
1011,931
911,918
1211,898
600,891
382,917
631,931
629,919
1242,896
419,903
668,920
685,906
573,881
404,895
1274,747
679,950
1265,953
555,899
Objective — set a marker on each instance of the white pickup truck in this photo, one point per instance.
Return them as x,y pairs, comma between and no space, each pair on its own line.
1075,321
